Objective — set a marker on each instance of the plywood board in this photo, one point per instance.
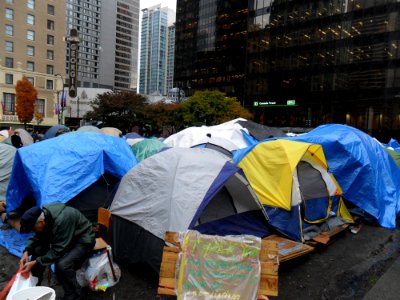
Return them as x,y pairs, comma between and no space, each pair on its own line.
288,249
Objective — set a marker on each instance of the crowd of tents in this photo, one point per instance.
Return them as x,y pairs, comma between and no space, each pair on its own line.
238,177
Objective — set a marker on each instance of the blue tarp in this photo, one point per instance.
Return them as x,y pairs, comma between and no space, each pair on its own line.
366,173
394,144
13,241
57,169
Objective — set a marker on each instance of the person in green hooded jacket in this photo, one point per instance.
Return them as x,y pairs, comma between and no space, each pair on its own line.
63,237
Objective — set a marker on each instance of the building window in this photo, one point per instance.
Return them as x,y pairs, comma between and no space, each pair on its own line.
50,54
49,84
50,25
39,106
30,66
9,14
31,79
30,4
30,19
30,50
9,46
50,69
30,35
9,62
9,104
50,39
9,30
50,9
9,79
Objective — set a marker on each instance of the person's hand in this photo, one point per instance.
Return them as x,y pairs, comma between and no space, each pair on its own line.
24,259
28,267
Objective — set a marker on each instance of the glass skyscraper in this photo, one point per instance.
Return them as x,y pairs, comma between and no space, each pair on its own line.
296,63
155,50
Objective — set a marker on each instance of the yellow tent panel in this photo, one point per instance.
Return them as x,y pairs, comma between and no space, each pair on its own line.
269,168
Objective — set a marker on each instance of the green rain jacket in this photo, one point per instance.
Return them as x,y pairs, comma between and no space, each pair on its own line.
65,227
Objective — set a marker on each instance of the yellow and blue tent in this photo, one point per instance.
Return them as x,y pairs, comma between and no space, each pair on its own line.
292,181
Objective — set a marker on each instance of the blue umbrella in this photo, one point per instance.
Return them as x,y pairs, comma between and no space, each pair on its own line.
52,131
132,135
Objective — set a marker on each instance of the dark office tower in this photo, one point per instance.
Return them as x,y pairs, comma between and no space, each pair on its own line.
210,44
315,62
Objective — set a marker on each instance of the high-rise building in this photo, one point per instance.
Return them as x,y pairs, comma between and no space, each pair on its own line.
211,46
336,61
31,46
170,58
300,63
156,50
108,44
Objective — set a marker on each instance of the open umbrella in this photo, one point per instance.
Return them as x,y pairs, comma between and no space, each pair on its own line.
111,131
89,128
147,148
52,131
26,138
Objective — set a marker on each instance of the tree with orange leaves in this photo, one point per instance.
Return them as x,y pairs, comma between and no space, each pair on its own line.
26,96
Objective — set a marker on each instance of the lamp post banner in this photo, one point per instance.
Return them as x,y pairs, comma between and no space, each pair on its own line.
64,99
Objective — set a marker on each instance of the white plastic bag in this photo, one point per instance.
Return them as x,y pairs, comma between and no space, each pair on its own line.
100,272
21,283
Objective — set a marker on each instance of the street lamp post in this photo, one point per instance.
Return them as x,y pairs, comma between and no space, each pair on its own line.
61,117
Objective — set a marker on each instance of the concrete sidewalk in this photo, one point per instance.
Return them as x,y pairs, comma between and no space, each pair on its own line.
388,286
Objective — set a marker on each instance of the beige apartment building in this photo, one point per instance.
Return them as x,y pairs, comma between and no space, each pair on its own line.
32,45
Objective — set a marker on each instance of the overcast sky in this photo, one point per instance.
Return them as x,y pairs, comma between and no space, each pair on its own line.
147,3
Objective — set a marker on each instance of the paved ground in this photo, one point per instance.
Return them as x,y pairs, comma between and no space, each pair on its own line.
346,269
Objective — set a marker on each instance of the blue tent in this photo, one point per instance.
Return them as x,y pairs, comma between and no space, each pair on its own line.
58,169
394,144
366,173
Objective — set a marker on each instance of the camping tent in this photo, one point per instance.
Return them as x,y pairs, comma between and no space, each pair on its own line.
192,136
111,131
7,154
26,138
219,144
147,148
366,173
58,169
178,189
394,144
292,182
260,132
89,128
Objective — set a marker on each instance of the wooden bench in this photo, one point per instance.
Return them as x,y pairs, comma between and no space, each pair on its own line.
269,267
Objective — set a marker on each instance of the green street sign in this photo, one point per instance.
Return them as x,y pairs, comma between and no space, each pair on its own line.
291,102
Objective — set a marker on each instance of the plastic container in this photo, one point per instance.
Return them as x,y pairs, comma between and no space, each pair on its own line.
35,293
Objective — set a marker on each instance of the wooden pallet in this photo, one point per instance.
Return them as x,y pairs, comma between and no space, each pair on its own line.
268,258
288,249
326,236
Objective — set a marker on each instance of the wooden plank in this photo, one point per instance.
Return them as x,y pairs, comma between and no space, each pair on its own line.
326,236
172,238
100,244
289,249
166,291
167,283
268,285
323,239
335,230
